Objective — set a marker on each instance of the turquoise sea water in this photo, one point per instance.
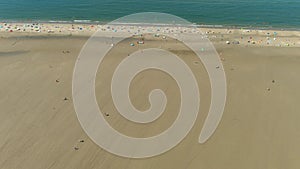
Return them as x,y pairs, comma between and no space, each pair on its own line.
255,13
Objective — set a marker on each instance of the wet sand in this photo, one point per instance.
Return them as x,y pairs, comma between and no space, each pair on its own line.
39,127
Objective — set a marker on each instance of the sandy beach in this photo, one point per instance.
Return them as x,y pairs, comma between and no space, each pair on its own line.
39,128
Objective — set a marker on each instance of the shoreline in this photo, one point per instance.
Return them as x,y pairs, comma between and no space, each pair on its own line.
198,25
229,36
97,23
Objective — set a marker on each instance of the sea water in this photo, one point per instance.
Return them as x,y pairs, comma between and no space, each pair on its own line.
240,13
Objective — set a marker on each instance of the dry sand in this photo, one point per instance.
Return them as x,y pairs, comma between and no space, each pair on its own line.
259,129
